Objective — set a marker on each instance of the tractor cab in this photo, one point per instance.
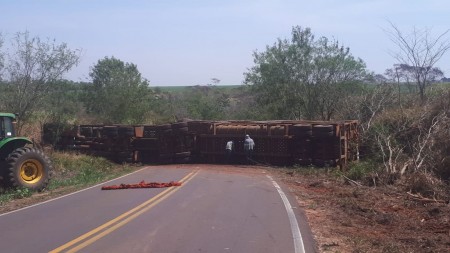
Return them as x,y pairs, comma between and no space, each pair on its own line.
7,121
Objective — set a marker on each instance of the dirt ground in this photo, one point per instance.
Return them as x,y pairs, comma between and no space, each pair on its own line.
347,217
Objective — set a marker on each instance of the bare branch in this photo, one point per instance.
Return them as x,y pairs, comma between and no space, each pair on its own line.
420,50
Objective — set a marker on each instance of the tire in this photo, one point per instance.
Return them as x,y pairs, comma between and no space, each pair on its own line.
179,125
96,132
323,131
126,131
182,160
163,127
303,162
29,168
323,128
150,131
110,131
167,131
86,131
300,128
319,162
181,130
121,157
165,158
304,135
183,154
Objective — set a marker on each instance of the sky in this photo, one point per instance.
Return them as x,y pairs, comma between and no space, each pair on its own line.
179,43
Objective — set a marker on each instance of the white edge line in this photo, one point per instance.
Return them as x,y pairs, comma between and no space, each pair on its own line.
297,235
67,195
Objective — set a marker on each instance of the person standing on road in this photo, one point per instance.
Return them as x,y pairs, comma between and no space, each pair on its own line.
229,151
249,145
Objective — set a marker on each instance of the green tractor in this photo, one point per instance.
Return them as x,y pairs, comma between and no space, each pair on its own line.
21,164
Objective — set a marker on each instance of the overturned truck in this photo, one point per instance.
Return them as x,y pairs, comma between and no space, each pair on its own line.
319,143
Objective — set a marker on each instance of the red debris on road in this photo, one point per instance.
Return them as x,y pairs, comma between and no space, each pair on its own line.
142,184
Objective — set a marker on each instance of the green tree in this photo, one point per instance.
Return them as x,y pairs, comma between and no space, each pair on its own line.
202,102
243,105
63,103
304,78
31,66
118,93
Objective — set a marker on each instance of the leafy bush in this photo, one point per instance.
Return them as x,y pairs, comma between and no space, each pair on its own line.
11,194
360,170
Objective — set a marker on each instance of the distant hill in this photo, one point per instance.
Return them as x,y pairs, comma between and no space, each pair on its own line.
178,89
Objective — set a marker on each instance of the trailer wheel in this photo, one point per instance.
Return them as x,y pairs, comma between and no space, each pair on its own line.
125,131
323,130
179,125
180,130
110,131
28,168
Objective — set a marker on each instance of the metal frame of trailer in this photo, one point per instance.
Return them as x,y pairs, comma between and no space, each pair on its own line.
281,142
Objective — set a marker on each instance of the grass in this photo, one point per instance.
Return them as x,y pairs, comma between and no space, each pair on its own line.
359,169
83,170
309,170
10,194
74,171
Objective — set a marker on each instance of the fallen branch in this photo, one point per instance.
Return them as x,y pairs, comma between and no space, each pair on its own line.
352,181
421,198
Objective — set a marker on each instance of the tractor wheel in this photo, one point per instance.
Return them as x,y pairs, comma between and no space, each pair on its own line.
29,168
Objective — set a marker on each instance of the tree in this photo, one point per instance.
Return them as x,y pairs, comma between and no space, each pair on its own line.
63,103
214,81
435,75
1,57
419,50
400,74
31,68
118,93
304,77
403,74
203,102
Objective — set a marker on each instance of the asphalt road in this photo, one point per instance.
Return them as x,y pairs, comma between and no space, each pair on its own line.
214,210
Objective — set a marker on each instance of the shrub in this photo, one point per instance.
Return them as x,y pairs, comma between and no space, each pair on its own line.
360,169
426,185
72,169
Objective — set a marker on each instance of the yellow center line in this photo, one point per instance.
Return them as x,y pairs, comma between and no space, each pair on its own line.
122,219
